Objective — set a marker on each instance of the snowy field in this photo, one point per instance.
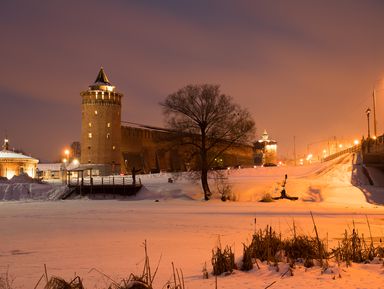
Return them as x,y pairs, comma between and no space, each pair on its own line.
72,237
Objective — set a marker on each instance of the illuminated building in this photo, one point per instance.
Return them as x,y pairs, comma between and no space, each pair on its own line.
110,146
265,151
12,163
101,125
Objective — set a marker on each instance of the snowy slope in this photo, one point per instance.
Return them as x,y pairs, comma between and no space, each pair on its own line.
75,236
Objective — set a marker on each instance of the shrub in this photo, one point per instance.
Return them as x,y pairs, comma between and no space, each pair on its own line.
302,247
247,263
267,198
266,244
223,261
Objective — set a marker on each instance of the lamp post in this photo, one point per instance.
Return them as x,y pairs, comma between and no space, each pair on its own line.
374,114
368,111
66,161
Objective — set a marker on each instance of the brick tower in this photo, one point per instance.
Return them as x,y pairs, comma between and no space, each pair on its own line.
101,126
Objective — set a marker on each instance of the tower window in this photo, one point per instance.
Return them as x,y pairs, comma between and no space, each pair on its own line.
113,147
108,135
95,112
89,135
89,147
108,124
89,124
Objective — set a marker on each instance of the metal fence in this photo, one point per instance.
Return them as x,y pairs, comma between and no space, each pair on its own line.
353,149
103,181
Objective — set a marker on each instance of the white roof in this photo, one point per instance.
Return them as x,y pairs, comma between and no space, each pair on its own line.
49,167
8,155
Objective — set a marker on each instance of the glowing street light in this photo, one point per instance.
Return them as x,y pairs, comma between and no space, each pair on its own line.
309,158
368,111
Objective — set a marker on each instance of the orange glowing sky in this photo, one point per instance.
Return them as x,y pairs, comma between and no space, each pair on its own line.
303,68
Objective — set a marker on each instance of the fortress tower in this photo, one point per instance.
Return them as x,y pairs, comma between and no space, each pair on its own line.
101,125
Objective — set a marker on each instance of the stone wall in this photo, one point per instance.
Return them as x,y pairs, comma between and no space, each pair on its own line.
154,150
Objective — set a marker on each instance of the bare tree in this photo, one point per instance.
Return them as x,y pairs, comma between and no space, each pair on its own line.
208,122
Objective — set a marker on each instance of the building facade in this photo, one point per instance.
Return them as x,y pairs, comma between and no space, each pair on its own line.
101,125
265,151
15,164
111,146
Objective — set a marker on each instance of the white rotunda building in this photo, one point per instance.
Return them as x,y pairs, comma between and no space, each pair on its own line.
14,164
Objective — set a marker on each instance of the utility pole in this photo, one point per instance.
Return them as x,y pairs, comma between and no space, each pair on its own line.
294,148
374,114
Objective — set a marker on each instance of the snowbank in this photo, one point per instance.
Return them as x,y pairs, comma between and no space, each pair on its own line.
328,183
30,191
76,236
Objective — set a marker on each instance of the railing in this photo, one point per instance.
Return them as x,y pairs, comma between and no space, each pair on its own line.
353,149
103,181
373,145
96,185
368,146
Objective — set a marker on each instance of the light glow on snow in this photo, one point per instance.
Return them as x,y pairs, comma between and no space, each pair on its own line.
82,234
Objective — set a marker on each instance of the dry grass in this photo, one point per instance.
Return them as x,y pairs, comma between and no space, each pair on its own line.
355,248
6,281
59,283
268,245
223,261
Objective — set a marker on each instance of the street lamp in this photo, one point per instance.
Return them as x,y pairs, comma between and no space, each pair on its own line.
368,111
66,153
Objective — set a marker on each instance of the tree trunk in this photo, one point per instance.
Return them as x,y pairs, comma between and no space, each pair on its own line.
204,183
204,167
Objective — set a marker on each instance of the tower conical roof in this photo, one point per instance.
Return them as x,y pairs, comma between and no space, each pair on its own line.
265,135
6,144
102,77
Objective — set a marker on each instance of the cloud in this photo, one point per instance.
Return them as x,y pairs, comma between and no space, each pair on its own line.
301,67
38,127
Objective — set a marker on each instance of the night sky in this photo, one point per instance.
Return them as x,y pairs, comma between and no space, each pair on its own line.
302,68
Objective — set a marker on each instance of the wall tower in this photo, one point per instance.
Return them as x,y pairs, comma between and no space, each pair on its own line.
101,125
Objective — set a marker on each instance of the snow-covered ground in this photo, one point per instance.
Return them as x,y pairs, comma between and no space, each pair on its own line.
74,236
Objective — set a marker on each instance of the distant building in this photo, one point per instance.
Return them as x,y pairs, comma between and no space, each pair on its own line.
75,150
50,171
14,164
110,146
265,151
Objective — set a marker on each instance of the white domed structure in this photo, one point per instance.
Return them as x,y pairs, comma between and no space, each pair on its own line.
14,164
